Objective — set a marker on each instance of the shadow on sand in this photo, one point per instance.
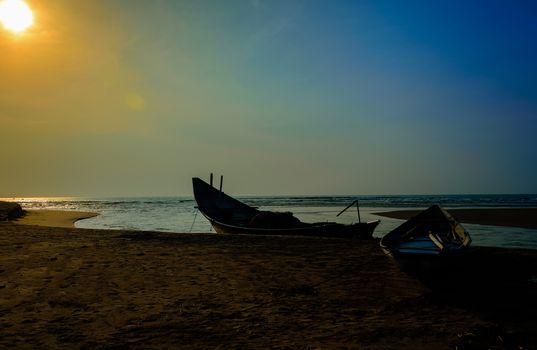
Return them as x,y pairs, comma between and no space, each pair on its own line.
497,284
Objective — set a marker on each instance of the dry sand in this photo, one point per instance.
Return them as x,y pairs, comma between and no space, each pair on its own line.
97,289
510,217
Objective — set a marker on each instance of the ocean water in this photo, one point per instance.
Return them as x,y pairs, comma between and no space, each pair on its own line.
178,214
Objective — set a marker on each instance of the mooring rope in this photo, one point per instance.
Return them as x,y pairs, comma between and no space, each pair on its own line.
193,222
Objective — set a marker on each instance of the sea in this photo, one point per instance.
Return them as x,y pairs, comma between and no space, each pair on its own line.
179,214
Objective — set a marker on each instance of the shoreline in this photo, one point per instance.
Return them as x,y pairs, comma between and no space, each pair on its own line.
502,217
52,218
506,217
63,288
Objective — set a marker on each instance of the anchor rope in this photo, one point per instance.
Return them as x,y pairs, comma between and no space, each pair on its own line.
193,222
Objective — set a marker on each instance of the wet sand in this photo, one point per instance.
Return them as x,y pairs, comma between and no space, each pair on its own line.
53,218
97,289
509,217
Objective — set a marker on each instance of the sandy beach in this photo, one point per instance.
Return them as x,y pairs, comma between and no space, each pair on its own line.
97,289
53,218
152,151
510,217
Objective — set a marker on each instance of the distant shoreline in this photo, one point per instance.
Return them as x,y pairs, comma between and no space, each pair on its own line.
507,217
503,217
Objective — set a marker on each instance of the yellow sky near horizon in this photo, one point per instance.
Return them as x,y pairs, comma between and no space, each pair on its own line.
66,72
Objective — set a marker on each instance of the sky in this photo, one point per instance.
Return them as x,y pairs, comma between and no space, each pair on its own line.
110,98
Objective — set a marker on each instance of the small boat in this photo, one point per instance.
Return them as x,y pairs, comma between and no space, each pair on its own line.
229,215
432,232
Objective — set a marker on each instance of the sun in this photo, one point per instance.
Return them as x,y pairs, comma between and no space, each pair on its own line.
15,15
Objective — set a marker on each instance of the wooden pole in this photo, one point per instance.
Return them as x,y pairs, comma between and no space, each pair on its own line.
221,182
211,180
357,209
348,206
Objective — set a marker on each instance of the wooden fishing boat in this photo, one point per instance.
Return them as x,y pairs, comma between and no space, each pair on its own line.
229,215
432,232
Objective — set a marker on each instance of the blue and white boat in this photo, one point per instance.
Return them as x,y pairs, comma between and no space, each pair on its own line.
432,232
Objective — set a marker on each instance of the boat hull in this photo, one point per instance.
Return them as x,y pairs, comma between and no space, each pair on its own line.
431,233
360,230
227,215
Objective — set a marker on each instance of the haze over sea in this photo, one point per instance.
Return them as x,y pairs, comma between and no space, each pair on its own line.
178,214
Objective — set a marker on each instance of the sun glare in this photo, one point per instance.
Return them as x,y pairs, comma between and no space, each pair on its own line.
15,15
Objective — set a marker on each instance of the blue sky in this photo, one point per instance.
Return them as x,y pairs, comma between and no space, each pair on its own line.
282,97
